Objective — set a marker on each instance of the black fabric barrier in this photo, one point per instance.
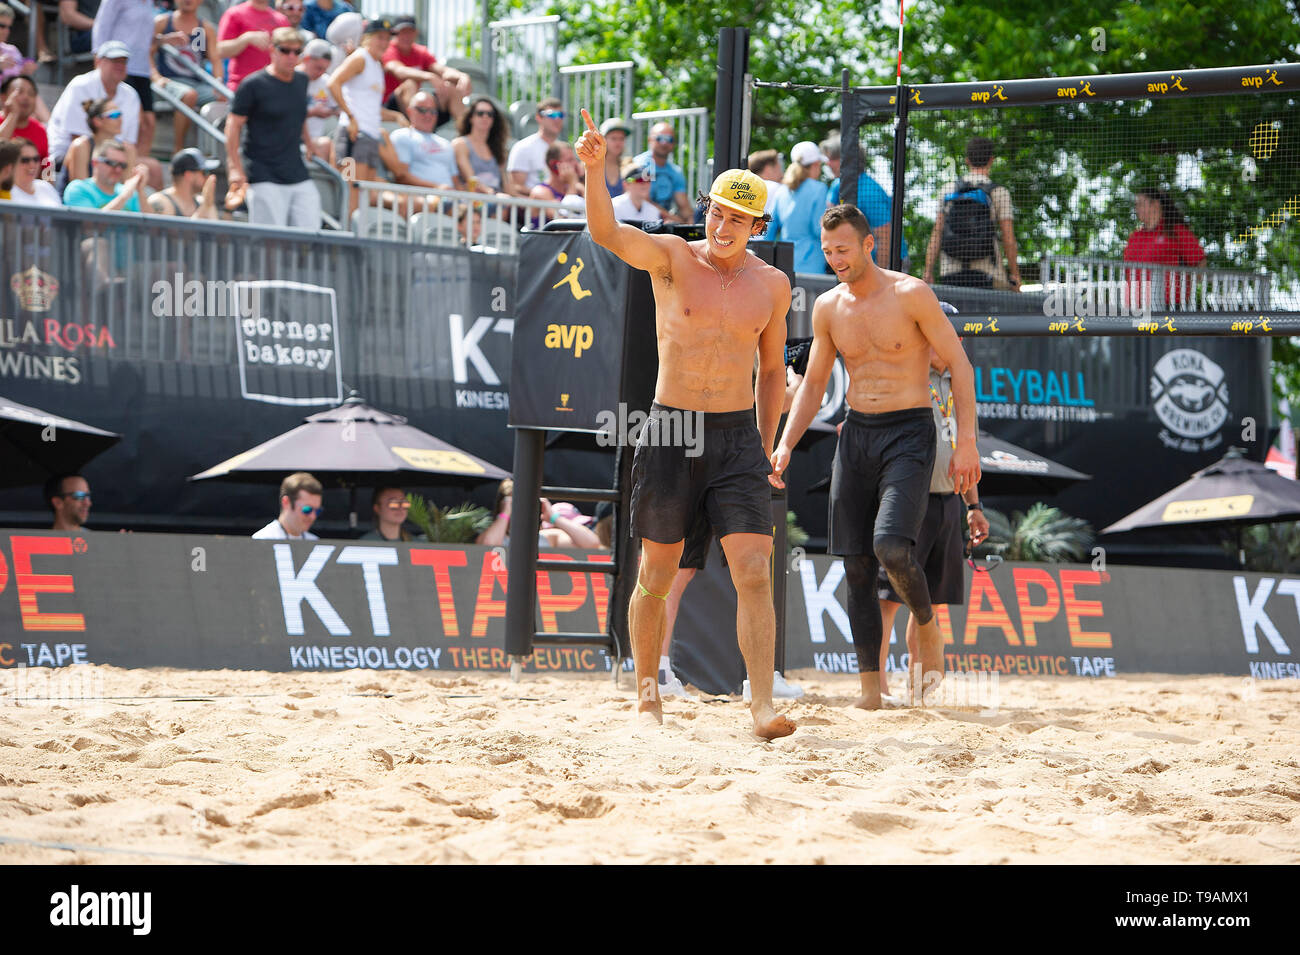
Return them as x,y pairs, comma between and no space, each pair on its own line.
204,602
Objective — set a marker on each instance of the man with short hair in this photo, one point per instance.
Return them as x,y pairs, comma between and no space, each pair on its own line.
105,81
244,38
668,191
718,308
390,507
300,497
105,190
527,162
874,202
315,62
408,65
18,97
273,104
766,165
68,496
883,324
192,193
974,228
416,155
292,10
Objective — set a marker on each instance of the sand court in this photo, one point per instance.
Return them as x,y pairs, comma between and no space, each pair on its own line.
376,767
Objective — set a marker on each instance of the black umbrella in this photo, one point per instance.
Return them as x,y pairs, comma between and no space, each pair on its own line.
1007,468
1233,492
355,445
35,446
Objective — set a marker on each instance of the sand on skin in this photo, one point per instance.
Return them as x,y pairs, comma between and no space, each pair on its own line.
385,766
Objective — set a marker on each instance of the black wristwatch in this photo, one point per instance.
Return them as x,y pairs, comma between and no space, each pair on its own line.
977,506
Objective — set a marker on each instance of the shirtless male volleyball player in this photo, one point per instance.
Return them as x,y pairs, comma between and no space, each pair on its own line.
715,305
883,323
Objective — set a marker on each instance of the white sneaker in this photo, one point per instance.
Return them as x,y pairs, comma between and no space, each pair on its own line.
781,690
674,688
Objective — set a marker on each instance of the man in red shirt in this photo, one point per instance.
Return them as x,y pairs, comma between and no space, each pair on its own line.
244,38
407,65
17,103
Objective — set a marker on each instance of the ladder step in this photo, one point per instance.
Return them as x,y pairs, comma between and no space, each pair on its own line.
580,494
595,566
572,639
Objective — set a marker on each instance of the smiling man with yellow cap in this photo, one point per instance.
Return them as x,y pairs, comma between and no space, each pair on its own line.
699,461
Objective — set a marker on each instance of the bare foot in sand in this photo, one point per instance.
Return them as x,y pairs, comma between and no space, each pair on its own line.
931,640
650,708
768,724
870,698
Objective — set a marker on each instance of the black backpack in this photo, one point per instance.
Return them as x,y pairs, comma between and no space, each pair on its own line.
969,231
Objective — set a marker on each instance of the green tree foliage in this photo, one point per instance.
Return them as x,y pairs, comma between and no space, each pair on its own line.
1043,534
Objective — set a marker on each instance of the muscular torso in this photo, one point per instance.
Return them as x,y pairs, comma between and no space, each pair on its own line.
885,353
707,337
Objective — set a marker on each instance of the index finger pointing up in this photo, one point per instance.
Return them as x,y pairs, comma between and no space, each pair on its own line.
586,118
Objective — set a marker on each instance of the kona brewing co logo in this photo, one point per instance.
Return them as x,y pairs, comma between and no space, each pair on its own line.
36,290
1190,396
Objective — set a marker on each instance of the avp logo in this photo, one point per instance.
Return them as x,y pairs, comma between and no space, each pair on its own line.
578,292
1190,394
577,337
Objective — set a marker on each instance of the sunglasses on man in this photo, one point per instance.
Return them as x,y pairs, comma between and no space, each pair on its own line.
290,50
112,164
77,495
116,114
308,510
553,114
990,561
665,139
424,110
29,160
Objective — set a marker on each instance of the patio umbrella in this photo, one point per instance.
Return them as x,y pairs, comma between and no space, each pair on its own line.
1233,492
1007,468
355,445
35,445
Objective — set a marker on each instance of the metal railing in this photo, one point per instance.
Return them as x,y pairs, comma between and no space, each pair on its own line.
693,135
449,217
605,89
1119,287
522,58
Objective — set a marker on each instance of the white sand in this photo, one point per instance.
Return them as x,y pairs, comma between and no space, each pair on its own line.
368,766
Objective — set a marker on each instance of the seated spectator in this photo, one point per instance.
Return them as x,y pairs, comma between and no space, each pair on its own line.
480,149
873,202
318,15
358,87
105,81
390,507
18,98
105,189
10,150
316,58
244,38
292,10
562,185
193,191
975,228
1161,238
797,214
196,41
273,104
408,65
562,525
300,498
527,162
28,188
417,156
68,496
766,165
12,61
668,191
633,204
105,121
79,17
130,22
616,133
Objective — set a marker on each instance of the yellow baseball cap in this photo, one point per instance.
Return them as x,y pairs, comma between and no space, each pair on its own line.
741,190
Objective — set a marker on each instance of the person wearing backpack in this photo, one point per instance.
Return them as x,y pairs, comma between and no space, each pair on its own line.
974,228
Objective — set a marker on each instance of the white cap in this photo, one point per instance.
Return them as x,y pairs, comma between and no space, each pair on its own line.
806,153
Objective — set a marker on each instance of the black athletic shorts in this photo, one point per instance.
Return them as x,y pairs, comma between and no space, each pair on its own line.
144,89
939,549
678,493
880,480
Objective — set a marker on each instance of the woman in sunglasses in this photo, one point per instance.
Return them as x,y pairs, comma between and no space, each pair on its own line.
105,121
480,149
29,189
